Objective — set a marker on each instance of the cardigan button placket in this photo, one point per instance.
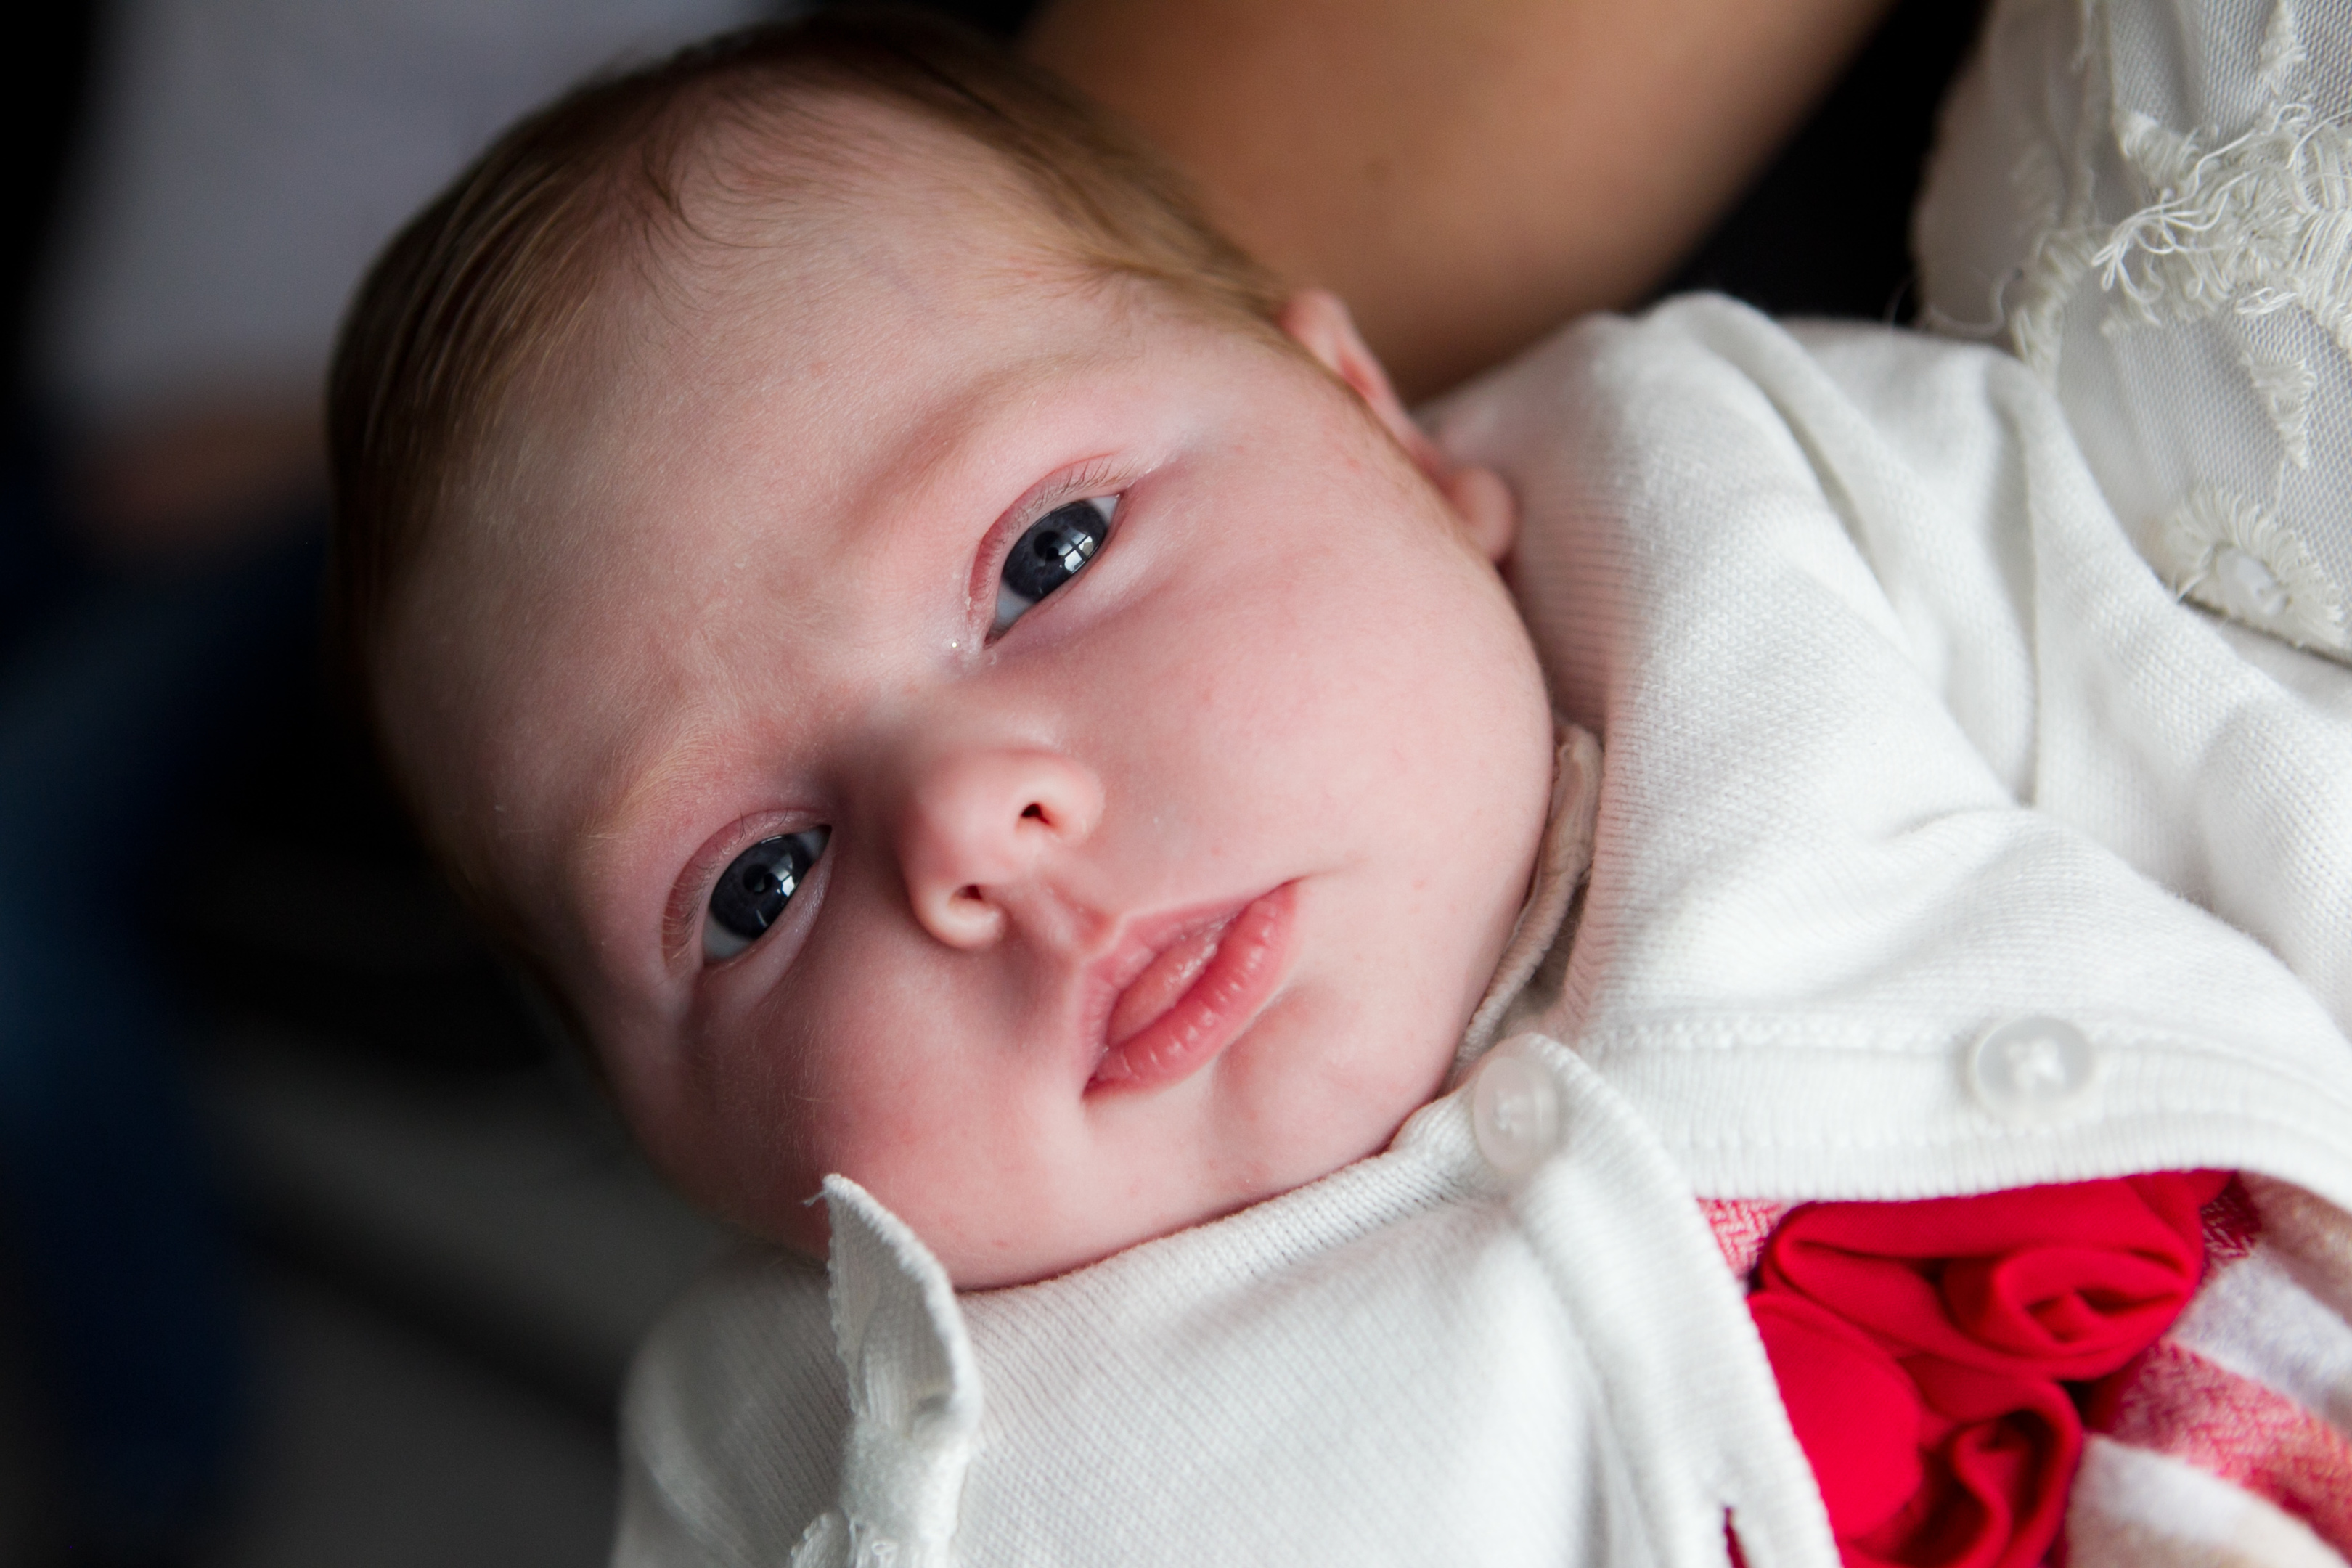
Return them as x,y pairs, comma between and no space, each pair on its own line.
2034,1070
1513,1111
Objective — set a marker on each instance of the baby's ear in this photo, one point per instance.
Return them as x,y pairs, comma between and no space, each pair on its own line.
1321,325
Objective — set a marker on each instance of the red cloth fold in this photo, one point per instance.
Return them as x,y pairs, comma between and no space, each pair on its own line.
1857,1413
1919,1349
1999,1452
2057,1281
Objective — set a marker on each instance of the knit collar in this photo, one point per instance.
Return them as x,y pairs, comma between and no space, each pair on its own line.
1528,979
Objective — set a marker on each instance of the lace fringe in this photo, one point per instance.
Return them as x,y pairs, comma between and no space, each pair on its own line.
2249,227
2230,555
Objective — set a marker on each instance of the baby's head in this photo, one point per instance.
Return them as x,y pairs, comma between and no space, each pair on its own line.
952,679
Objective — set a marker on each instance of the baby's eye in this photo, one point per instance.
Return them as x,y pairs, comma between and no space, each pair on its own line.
754,889
1055,549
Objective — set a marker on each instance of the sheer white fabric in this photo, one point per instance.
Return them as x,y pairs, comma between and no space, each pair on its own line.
2150,201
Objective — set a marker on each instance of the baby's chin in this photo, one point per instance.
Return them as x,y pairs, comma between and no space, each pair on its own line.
993,1251
997,1251
998,1262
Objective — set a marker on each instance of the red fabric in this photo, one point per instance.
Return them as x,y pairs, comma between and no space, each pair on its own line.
1919,1348
1857,1413
2065,1282
1741,1227
2174,1402
1999,1452
2234,1226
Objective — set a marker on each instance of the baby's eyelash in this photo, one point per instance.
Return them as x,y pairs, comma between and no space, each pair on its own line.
756,888
682,915
1099,481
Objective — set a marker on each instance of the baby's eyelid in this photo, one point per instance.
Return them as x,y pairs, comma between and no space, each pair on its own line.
1103,482
689,901
761,888
1037,565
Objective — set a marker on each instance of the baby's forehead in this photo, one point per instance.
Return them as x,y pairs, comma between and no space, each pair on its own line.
677,453
839,232
895,242
793,196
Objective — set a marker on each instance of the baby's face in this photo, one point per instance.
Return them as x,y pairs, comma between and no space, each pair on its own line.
1049,758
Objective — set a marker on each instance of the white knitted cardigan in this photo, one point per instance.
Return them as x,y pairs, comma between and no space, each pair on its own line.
1903,744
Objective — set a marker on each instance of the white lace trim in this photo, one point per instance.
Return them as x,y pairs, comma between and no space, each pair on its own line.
2231,555
913,1395
2279,64
2254,226
2283,388
2069,234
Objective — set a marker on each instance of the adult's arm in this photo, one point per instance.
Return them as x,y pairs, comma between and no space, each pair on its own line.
1465,175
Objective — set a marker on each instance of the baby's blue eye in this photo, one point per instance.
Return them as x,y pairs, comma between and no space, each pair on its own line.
754,889
1055,549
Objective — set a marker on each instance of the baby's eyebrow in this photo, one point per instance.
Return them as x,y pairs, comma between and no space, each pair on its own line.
691,748
927,459
608,862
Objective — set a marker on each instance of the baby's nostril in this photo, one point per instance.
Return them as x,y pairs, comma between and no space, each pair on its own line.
968,892
1034,810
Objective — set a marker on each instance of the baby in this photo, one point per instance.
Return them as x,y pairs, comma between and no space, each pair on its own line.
937,662
980,706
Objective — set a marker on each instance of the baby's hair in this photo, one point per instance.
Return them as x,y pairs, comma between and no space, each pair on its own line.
491,277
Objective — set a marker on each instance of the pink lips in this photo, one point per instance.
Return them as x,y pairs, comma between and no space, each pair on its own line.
1194,995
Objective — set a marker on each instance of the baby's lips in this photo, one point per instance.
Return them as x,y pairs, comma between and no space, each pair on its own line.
1198,995
1167,977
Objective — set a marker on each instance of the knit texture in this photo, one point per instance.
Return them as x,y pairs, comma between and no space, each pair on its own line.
1901,741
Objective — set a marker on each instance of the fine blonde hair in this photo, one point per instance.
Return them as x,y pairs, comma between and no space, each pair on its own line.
490,277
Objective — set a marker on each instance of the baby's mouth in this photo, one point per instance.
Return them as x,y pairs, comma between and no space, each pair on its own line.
1166,978
1197,994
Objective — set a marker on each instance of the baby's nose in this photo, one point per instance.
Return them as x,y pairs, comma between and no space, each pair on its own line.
980,823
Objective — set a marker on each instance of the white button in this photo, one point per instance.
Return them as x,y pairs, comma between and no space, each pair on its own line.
1514,1112
2035,1070
2248,589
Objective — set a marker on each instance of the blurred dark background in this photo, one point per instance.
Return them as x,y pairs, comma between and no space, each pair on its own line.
433,1245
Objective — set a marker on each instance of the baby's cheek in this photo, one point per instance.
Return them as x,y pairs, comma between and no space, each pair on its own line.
1351,1063
726,1109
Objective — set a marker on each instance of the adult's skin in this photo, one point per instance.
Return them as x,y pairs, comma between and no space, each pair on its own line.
1465,174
